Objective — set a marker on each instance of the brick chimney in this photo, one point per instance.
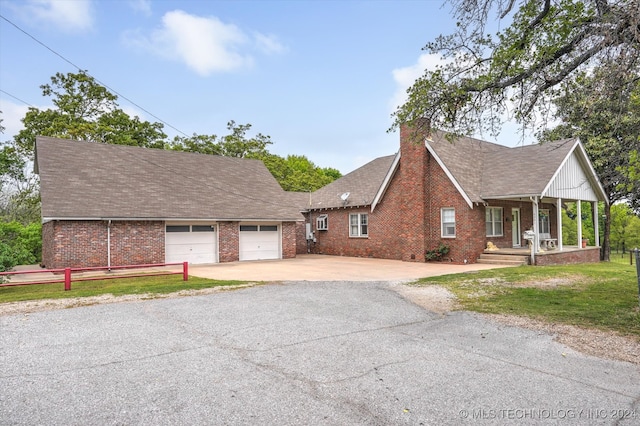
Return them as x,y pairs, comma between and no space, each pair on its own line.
413,175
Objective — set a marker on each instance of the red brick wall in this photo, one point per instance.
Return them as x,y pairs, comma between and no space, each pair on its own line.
588,255
301,237
526,220
289,239
470,229
229,241
84,243
137,243
411,187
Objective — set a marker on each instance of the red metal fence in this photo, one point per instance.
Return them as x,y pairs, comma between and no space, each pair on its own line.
67,278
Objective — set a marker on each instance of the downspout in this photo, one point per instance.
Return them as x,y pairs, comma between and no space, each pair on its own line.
109,245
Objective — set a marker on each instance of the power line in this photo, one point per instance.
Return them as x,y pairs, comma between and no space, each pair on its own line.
87,73
16,98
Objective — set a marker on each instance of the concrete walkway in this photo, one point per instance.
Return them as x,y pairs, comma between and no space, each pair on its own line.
313,267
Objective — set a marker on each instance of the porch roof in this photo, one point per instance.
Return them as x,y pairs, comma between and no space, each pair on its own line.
483,170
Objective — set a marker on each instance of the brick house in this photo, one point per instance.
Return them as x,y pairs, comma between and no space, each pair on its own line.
463,194
110,205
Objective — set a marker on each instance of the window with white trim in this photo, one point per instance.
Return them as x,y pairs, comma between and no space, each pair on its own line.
493,221
322,222
359,225
543,215
448,220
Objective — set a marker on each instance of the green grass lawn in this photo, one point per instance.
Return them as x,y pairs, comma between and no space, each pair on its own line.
600,295
117,287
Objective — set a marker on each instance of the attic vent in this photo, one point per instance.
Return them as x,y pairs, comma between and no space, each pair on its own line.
322,223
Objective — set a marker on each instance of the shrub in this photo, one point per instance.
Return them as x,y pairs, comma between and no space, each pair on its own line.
19,244
438,253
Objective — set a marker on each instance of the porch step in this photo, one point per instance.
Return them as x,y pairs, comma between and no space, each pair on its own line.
503,259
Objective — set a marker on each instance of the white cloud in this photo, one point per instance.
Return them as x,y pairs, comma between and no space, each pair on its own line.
269,44
405,77
66,15
142,6
11,115
205,45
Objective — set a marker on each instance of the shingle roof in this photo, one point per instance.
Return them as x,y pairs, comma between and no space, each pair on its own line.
486,170
93,181
362,185
482,170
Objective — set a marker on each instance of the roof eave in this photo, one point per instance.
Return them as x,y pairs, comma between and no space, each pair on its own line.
386,182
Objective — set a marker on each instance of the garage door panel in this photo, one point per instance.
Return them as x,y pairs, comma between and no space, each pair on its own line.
258,244
192,247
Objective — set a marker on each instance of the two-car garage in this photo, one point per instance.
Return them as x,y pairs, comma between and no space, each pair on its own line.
198,243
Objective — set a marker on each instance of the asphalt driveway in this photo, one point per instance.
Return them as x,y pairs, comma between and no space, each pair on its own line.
298,353
311,267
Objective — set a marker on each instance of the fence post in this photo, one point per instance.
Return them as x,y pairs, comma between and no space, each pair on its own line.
185,271
67,279
637,252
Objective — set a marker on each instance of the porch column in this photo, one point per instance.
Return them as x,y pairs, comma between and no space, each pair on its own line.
559,222
594,208
579,222
536,225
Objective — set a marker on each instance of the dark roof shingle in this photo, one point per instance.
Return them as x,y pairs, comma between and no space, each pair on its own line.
91,180
362,185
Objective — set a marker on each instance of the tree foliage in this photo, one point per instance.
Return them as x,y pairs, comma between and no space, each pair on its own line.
606,118
625,228
85,110
515,72
236,144
19,244
298,173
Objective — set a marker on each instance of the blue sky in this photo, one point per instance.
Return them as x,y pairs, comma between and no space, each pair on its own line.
320,77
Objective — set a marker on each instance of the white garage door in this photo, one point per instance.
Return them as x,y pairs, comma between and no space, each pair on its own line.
259,242
190,243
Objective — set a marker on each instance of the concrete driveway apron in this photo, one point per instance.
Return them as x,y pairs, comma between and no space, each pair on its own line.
309,267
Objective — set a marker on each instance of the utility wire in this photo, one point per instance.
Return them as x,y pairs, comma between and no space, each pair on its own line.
16,98
86,72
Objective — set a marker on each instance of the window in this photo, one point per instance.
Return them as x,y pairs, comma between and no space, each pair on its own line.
322,222
359,225
448,219
543,214
493,220
249,228
269,228
177,228
203,228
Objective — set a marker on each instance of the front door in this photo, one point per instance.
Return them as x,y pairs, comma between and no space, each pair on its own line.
515,227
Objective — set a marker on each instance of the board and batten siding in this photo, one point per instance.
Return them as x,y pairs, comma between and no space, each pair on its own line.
571,182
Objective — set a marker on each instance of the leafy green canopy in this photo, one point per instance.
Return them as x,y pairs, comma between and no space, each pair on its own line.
485,79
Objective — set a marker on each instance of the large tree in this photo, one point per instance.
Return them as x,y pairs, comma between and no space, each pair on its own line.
485,79
606,117
85,110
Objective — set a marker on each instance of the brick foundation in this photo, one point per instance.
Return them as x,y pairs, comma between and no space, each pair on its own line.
587,255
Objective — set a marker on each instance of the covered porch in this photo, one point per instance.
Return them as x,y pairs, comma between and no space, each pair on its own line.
537,201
